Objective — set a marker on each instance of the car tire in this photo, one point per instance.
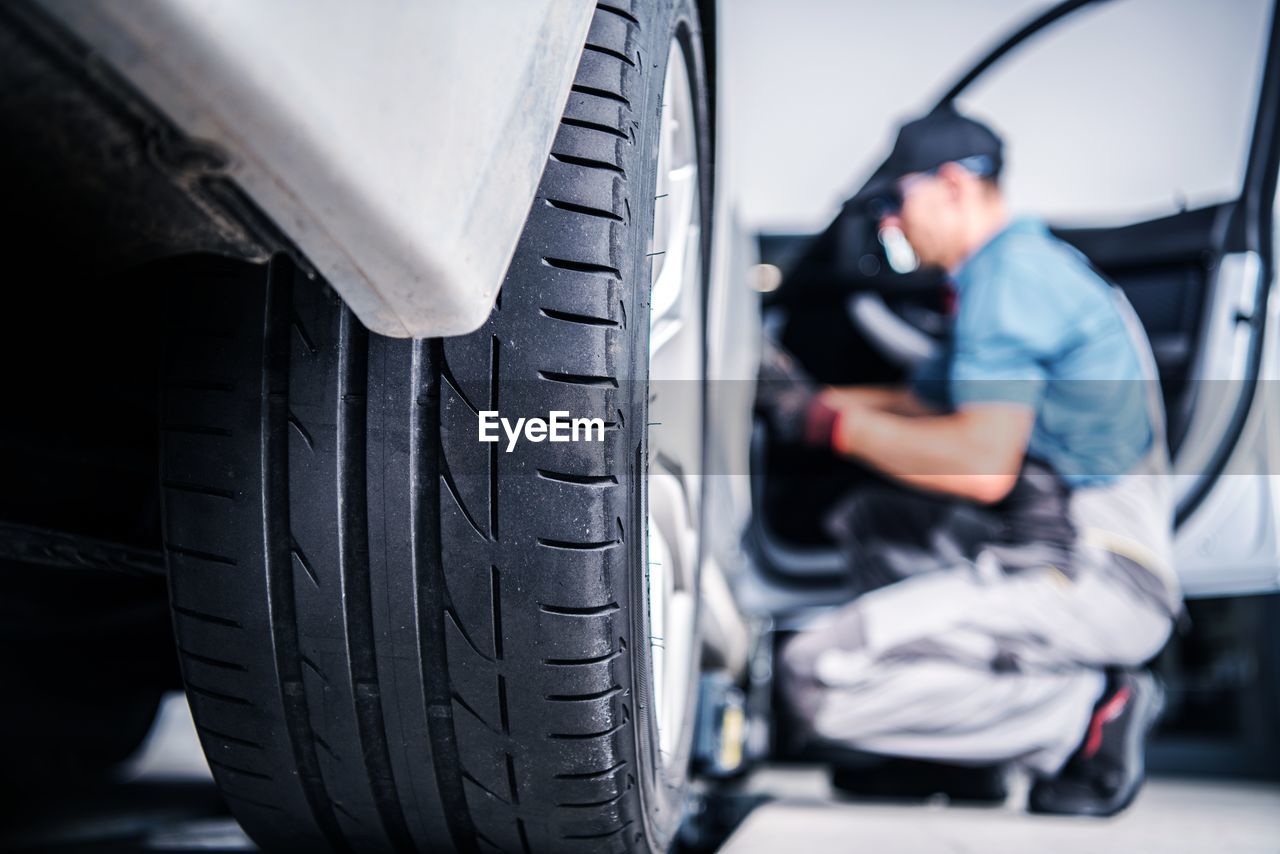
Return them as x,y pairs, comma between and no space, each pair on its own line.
85,656
395,637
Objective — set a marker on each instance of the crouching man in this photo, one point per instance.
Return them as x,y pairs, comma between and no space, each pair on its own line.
1017,573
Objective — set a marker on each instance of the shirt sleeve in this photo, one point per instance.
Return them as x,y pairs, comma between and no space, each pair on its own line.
1008,332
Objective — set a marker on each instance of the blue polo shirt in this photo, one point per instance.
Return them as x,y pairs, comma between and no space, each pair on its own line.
1036,325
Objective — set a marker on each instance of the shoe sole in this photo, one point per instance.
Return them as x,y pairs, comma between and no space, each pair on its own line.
1149,704
1150,709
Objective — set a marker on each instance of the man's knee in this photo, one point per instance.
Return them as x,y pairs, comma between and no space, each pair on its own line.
815,659
797,676
796,658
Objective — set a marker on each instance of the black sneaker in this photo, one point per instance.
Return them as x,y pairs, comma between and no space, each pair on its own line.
1105,773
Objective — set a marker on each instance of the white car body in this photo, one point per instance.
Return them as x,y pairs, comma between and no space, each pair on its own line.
399,145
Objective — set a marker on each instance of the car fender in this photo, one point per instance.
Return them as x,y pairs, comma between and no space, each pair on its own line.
398,145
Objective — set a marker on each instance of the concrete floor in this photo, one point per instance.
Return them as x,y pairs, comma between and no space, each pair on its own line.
1170,816
169,805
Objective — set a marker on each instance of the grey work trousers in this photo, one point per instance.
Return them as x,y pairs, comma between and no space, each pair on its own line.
972,665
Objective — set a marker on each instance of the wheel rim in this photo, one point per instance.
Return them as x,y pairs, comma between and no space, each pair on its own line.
675,409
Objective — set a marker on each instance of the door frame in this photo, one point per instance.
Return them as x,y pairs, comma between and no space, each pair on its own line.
1250,231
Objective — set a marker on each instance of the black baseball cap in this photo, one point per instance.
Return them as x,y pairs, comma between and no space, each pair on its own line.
942,136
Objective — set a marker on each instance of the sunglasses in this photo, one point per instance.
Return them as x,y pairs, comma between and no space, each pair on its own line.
891,201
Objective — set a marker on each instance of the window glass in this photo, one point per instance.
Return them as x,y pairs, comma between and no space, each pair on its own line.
1128,111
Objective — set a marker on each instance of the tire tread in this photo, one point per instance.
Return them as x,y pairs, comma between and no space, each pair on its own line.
300,642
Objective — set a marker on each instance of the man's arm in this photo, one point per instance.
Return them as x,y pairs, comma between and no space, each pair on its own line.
898,400
974,453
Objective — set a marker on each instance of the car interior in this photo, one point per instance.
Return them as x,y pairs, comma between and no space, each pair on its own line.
852,313
848,317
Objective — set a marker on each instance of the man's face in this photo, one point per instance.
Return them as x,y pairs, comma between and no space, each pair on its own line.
929,217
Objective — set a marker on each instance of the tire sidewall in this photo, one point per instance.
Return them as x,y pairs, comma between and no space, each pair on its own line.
663,783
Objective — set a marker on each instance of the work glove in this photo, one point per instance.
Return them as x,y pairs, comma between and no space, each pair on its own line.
791,401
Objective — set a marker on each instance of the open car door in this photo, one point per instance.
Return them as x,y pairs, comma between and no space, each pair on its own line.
1170,190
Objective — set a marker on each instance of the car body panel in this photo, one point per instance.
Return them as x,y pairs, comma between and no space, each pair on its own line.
1230,545
405,181
732,360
